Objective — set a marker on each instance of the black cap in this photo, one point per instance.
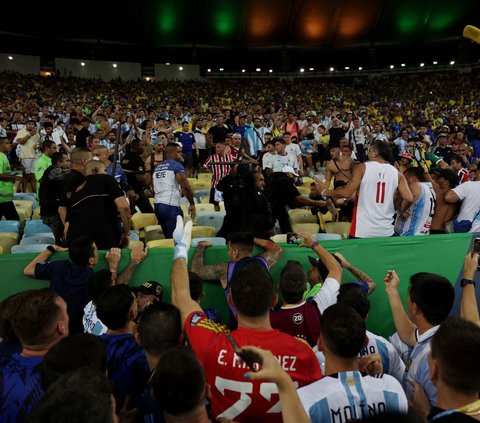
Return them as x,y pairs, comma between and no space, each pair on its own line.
150,288
316,262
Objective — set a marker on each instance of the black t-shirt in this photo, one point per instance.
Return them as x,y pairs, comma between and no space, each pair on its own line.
81,138
445,153
281,190
219,133
70,184
51,187
133,165
92,211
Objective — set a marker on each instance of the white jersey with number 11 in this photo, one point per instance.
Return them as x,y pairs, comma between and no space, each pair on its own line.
374,209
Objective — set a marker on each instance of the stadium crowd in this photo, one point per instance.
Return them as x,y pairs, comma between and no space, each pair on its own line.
386,156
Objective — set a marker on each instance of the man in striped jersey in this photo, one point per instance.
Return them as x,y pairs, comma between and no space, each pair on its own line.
220,164
417,217
344,394
430,299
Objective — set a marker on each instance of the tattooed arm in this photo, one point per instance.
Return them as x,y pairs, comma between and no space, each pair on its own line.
208,271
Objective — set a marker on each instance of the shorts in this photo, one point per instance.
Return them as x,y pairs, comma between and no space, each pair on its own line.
188,160
28,165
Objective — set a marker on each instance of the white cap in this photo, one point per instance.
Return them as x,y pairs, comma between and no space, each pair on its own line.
289,169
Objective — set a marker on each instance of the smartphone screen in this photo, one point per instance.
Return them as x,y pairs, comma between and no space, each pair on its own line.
293,238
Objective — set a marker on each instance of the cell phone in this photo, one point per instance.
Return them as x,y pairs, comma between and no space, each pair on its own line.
476,245
294,238
248,357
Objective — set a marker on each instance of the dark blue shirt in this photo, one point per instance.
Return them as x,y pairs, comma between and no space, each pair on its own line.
187,139
69,281
20,387
127,368
148,410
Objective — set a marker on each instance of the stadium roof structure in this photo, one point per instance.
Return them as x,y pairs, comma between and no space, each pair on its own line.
282,34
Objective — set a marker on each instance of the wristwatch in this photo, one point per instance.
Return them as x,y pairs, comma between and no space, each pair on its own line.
464,282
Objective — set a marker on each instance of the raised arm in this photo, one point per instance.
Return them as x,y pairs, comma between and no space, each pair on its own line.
468,303
179,277
272,251
137,255
29,269
362,276
208,271
405,327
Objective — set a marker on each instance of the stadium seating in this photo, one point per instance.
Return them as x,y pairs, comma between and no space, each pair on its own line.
302,216
214,219
213,240
160,243
311,228
203,231
341,228
31,248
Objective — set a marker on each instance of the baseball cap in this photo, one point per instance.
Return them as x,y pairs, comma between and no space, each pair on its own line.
316,262
443,134
406,155
150,288
289,169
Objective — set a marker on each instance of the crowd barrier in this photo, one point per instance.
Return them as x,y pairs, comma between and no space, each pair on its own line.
442,254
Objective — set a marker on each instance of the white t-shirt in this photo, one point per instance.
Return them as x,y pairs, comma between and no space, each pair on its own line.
469,193
327,295
293,149
373,214
91,323
200,139
349,396
267,160
167,189
279,162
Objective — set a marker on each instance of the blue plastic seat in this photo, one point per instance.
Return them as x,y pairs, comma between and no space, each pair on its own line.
36,226
30,196
38,240
31,248
9,225
214,219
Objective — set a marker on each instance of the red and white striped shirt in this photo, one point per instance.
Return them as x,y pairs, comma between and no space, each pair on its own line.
219,170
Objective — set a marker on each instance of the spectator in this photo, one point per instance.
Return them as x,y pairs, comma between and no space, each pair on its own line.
443,150
240,249
430,299
138,178
341,339
29,142
50,188
354,295
169,181
189,149
252,295
40,321
76,177
159,330
74,352
468,219
103,279
9,343
220,164
7,183
442,180
281,192
377,182
456,380
68,278
44,161
417,217
126,360
458,164
197,294
339,168
84,395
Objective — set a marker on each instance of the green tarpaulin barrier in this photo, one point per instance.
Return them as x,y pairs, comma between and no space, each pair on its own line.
442,254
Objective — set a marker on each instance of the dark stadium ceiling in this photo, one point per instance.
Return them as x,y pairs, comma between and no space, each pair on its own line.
283,34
